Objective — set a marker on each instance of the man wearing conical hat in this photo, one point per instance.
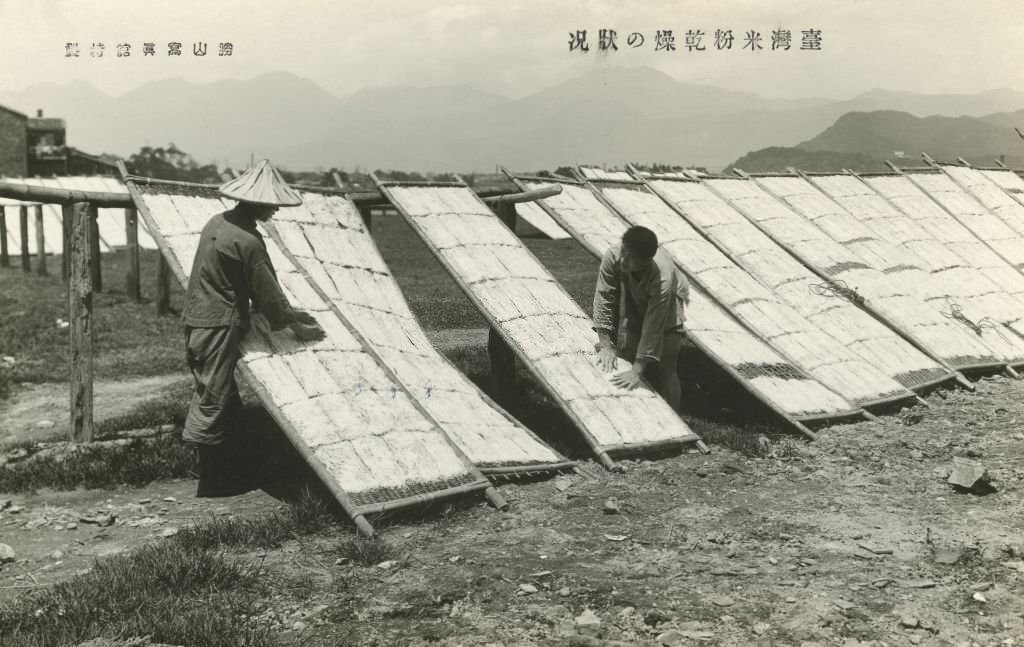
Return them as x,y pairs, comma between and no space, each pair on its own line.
231,276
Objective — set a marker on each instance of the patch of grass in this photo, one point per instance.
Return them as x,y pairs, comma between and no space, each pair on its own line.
306,516
137,462
130,339
365,551
169,407
168,591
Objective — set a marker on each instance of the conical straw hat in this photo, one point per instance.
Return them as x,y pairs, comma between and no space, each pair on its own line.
261,184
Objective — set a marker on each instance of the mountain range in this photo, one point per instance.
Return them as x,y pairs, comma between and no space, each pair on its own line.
609,116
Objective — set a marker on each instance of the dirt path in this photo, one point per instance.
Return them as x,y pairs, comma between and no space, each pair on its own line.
37,412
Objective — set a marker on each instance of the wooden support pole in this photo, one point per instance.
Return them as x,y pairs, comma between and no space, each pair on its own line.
26,258
163,286
67,216
82,331
40,242
132,276
366,214
506,212
94,242
503,365
5,259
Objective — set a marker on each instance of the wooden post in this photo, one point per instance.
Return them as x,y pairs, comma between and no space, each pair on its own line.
67,216
503,364
367,215
507,213
26,261
40,241
5,259
132,279
163,286
82,332
94,242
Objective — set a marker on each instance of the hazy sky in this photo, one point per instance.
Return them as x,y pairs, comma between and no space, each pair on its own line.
515,47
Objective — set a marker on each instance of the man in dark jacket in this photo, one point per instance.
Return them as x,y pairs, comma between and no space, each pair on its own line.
231,275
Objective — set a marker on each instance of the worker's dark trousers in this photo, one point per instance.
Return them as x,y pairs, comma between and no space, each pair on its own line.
225,465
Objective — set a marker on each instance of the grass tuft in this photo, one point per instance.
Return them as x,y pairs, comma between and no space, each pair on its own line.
365,551
306,516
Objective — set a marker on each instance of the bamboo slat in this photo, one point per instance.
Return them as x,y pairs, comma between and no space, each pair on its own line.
772,379
896,303
357,456
533,334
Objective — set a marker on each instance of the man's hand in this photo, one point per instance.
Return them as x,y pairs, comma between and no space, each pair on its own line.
628,379
606,356
307,332
304,317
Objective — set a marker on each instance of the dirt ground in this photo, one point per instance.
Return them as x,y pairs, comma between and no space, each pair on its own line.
39,412
856,539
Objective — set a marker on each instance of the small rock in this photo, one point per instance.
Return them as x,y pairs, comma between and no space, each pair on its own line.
5,503
761,628
168,532
527,589
981,586
791,600
703,471
969,475
6,554
616,537
587,622
947,557
299,626
45,424
454,559
145,501
671,638
915,639
7,359
655,617
169,499
773,561
919,584
627,611
563,483
979,597
57,554
845,605
722,601
611,506
166,429
564,592
386,565
342,561
71,526
910,622
15,509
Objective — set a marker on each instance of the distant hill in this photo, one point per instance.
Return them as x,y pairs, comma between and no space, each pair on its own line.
881,134
606,116
779,158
